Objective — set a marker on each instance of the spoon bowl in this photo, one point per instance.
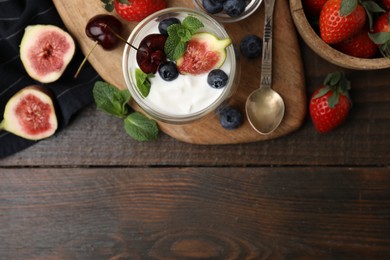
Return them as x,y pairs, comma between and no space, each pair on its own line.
265,107
265,110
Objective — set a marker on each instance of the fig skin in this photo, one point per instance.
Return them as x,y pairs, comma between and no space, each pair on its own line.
21,125
46,51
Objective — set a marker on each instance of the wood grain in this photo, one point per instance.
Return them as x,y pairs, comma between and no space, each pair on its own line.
288,71
203,213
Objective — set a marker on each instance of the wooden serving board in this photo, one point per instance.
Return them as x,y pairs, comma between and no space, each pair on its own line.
288,77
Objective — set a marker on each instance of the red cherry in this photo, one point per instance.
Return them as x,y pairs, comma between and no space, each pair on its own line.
104,29
151,52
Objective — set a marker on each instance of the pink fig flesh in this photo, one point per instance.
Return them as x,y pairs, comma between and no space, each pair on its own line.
30,114
46,51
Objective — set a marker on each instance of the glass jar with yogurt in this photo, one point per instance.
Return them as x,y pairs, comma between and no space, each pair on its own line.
188,97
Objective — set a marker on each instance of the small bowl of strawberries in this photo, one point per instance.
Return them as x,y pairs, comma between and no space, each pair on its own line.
349,33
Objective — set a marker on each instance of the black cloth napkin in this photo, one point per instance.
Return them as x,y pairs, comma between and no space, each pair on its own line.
71,94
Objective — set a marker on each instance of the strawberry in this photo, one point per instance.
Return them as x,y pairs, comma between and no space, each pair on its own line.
382,23
341,19
330,104
360,45
386,4
134,10
381,33
313,7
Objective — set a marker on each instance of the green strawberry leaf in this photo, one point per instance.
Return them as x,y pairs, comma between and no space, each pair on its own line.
344,85
108,5
110,99
332,79
140,127
347,7
333,99
338,84
385,49
388,19
380,37
383,39
322,92
371,7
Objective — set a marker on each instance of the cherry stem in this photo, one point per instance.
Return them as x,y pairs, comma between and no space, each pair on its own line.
119,37
85,60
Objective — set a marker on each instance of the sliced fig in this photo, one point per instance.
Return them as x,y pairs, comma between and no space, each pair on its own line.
45,51
204,52
30,114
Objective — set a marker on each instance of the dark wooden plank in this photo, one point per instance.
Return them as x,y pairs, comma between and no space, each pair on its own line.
97,139
208,213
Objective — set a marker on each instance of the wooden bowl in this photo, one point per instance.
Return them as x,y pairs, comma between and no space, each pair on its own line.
324,50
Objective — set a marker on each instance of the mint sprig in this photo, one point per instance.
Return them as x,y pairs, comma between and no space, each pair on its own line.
113,101
179,35
192,24
143,81
140,127
110,99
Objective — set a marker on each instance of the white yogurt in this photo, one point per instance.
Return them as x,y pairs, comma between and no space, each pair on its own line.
185,95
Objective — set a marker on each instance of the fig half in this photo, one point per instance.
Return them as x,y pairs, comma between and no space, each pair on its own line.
30,114
204,52
45,51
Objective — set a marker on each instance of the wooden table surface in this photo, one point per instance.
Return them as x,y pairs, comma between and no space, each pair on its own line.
91,192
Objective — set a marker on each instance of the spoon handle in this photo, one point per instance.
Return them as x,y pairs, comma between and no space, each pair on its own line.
266,62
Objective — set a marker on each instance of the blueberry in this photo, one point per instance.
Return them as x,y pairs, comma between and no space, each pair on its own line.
217,78
168,71
251,46
230,118
164,24
213,6
234,8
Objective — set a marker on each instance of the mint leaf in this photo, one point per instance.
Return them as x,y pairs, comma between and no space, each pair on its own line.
173,29
143,82
140,127
110,99
179,35
184,34
174,48
192,24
